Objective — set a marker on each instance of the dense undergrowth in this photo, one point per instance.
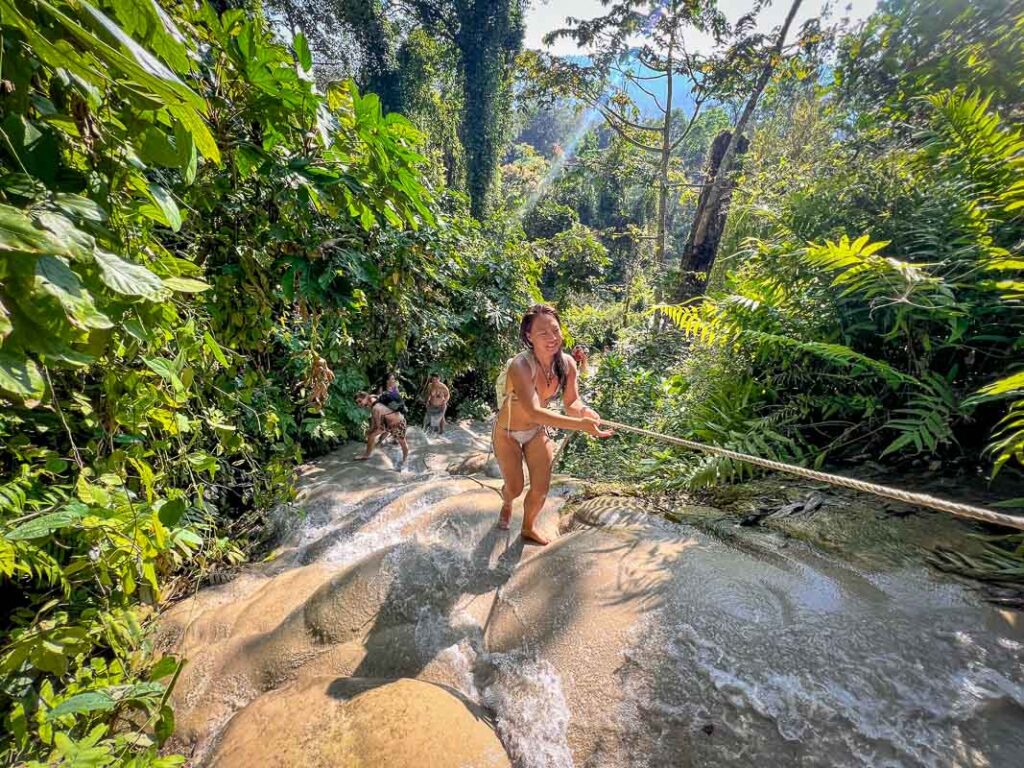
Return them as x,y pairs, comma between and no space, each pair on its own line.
866,304
202,256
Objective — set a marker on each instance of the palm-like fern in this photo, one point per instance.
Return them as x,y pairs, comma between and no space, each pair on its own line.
733,415
22,557
859,270
727,323
1008,439
970,139
926,422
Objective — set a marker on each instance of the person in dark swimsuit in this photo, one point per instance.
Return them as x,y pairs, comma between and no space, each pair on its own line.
383,420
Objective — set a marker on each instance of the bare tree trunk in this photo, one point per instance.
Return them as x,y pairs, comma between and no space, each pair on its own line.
710,211
699,257
666,155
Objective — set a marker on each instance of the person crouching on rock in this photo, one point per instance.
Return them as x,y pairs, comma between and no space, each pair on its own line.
382,420
529,382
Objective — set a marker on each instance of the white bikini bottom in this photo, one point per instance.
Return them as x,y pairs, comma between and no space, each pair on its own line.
523,436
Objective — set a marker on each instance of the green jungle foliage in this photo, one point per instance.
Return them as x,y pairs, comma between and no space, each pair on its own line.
205,250
202,256
446,65
892,343
867,300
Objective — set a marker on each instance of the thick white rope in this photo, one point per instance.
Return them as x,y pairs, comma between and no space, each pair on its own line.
885,491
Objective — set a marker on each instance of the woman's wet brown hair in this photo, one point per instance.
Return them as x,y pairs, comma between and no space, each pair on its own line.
558,365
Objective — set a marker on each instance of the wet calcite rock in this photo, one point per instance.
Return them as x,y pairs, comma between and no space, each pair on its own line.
360,723
474,464
650,633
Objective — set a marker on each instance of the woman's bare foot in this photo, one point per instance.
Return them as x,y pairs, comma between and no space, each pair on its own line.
360,458
535,536
504,517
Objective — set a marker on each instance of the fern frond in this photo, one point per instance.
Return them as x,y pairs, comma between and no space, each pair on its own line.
837,355
1008,385
710,325
859,269
1008,440
971,139
13,496
926,422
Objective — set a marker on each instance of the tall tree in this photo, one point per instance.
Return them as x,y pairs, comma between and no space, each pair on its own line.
487,35
709,223
641,54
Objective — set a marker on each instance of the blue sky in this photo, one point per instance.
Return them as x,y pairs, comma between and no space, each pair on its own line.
546,15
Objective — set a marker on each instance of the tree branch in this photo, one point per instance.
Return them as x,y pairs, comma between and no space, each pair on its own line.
689,126
624,134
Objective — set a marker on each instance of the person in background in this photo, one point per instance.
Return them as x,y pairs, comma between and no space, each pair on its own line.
383,421
438,396
389,394
581,354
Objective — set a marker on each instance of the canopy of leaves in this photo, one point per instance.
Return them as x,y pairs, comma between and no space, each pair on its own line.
202,256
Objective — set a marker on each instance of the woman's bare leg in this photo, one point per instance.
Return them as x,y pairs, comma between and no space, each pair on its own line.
539,452
509,456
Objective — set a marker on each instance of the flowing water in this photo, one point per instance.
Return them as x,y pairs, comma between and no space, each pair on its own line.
630,641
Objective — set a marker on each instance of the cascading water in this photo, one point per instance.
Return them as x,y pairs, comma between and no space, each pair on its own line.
634,642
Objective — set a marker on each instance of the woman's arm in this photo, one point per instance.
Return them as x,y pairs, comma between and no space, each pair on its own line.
526,393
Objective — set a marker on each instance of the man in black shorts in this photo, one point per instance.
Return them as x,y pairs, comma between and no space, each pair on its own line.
382,420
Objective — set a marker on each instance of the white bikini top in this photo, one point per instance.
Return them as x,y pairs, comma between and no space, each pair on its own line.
503,388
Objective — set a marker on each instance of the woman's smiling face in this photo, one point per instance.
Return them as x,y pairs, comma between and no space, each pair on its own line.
545,335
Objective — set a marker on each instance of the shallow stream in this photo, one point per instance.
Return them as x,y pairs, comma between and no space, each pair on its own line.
630,641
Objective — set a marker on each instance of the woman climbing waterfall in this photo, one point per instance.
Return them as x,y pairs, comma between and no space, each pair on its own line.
529,382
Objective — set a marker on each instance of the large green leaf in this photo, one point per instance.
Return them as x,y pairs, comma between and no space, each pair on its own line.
22,185
185,284
56,278
165,369
75,242
196,126
44,525
139,55
127,278
101,61
21,377
145,20
80,208
156,148
83,703
185,146
215,349
171,511
18,233
302,53
164,209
